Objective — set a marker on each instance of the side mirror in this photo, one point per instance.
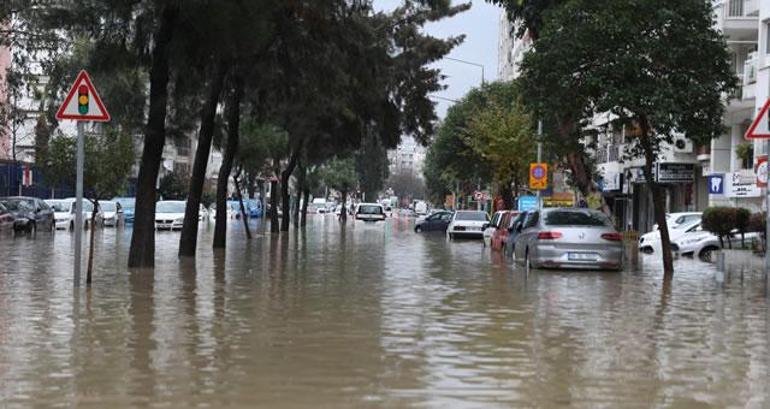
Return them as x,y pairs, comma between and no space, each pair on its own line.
485,226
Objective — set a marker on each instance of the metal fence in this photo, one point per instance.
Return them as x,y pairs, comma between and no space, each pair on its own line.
11,183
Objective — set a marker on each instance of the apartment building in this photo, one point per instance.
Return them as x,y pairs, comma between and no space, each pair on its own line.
408,156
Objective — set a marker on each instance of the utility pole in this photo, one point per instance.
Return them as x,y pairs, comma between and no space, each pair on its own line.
767,213
539,156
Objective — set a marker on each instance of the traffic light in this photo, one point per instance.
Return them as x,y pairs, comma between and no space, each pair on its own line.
83,100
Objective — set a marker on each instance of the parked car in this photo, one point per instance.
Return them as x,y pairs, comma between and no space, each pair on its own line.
681,218
514,227
701,243
435,222
497,217
468,223
127,204
64,213
254,207
318,205
169,214
569,238
30,213
113,213
370,212
649,242
501,233
6,220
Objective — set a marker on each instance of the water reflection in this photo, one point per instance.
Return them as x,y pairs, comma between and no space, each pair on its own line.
371,316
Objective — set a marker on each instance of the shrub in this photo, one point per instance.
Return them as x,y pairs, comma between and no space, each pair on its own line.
720,221
742,218
758,224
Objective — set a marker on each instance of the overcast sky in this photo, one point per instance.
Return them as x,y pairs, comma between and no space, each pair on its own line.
480,26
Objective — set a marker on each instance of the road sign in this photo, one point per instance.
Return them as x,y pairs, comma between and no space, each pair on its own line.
761,171
83,102
527,203
538,176
760,129
716,184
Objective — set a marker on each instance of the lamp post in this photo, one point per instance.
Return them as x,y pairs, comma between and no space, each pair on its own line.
469,63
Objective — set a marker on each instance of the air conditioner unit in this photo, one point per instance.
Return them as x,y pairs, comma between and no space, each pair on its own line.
683,145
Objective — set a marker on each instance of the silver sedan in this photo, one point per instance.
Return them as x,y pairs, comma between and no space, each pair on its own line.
569,238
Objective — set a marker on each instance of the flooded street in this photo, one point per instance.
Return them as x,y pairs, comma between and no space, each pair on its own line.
370,316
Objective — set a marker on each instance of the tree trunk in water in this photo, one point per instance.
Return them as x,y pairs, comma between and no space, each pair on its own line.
89,271
274,223
306,199
658,199
344,206
233,124
188,240
299,189
285,176
142,252
243,209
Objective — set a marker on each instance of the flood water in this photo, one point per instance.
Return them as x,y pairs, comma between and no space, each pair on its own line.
371,316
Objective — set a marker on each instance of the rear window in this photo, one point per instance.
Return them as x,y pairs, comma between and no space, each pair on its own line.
472,216
370,210
574,218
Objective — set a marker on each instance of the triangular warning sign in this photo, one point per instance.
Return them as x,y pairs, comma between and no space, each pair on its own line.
760,129
83,102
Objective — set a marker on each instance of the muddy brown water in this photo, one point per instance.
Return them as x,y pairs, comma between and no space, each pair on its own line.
371,316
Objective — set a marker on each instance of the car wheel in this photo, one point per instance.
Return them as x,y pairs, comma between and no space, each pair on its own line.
418,229
707,254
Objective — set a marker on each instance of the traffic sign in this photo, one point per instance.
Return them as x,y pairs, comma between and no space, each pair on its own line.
761,171
760,128
538,176
83,102
527,203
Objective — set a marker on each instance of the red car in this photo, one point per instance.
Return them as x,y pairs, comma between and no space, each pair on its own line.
501,231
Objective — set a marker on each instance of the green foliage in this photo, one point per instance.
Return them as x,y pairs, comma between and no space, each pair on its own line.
742,219
719,220
371,166
757,223
174,186
527,13
340,174
406,184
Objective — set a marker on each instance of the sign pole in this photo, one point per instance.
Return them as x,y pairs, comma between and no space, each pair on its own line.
767,211
79,203
539,156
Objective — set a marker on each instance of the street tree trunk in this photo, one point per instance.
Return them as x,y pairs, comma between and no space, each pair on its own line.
244,216
344,206
298,189
90,269
142,252
507,193
658,199
285,176
306,199
231,147
188,240
274,223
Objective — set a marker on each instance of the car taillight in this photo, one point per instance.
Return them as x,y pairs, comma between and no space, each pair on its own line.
549,235
612,236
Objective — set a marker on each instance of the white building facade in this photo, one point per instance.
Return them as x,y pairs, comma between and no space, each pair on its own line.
409,156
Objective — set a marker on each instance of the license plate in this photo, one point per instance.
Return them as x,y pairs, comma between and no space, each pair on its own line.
583,256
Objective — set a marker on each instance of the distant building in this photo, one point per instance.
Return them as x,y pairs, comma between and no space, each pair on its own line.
408,156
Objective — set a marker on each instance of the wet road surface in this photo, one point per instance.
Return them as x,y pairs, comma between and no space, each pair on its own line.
371,316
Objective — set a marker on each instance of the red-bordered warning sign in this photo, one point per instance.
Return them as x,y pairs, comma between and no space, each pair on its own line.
83,102
760,129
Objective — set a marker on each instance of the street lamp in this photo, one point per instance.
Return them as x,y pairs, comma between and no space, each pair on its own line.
469,63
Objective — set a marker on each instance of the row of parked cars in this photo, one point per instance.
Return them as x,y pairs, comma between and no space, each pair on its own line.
546,238
30,214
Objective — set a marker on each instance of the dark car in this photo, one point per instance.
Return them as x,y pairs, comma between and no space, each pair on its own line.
31,214
6,220
436,222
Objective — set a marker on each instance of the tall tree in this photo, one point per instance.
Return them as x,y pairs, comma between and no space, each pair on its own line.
643,63
340,175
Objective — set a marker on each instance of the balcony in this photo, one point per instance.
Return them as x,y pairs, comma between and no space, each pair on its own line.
739,19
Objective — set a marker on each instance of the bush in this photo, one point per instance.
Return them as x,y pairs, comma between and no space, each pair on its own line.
720,221
757,223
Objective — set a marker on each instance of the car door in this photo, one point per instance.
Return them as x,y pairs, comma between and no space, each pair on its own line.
43,214
528,230
443,222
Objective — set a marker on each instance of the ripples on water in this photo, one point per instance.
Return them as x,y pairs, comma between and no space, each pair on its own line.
370,316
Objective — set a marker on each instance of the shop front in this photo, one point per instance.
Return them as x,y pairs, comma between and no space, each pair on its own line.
681,192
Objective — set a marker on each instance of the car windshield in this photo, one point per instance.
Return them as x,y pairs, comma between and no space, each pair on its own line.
472,216
370,209
107,206
16,205
576,218
59,206
127,203
170,207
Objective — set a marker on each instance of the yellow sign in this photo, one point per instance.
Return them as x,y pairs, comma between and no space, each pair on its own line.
538,176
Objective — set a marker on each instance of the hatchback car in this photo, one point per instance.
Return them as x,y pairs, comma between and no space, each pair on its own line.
569,238
436,222
468,223
64,213
169,214
370,212
31,214
112,213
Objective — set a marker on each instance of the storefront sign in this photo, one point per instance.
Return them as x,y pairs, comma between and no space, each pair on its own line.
716,184
740,184
527,203
612,182
675,172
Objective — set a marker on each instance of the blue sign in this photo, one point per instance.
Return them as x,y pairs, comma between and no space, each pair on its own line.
527,203
716,184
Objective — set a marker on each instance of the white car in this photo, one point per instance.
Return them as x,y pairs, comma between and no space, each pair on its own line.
113,213
650,242
370,212
490,230
468,223
678,219
169,214
702,243
64,213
